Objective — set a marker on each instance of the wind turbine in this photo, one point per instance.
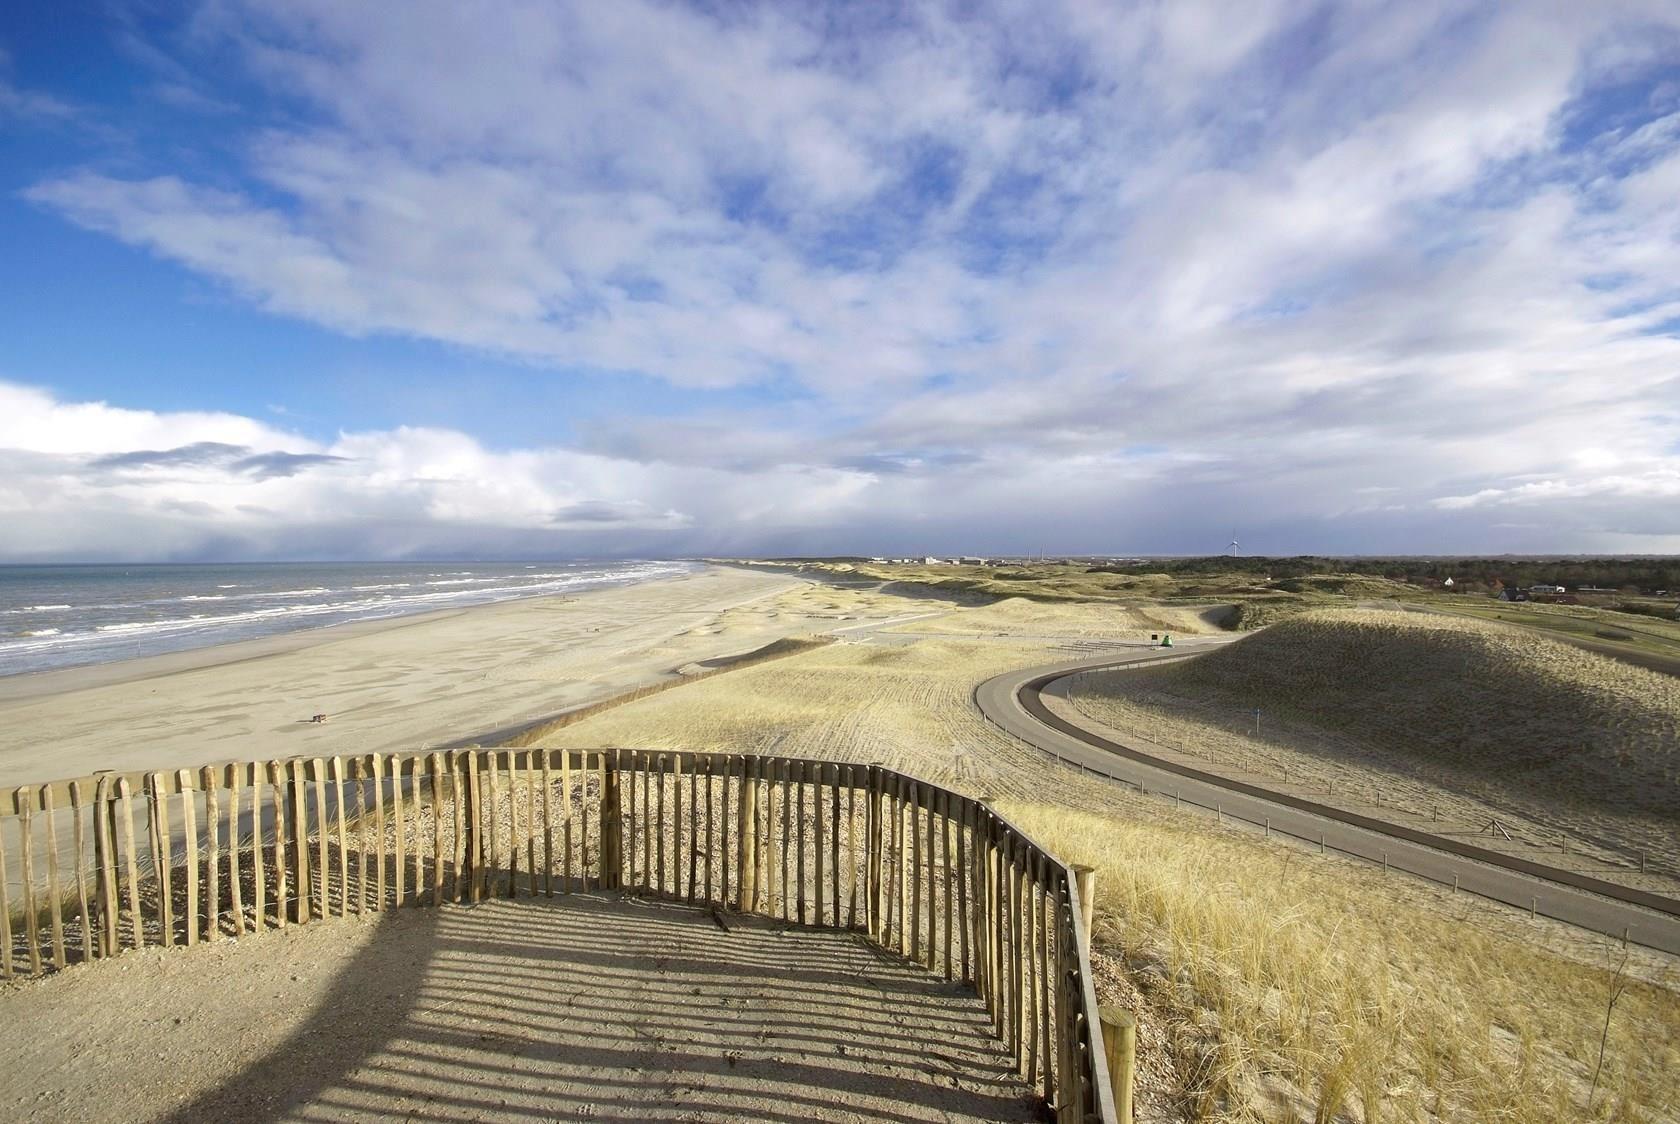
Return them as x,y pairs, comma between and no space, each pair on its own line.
1233,544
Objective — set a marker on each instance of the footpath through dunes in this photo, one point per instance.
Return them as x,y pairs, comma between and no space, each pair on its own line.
580,1007
1475,727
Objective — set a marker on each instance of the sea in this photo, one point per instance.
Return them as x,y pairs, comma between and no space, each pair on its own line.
67,616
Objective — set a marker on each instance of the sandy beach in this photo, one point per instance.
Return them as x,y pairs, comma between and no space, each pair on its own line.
441,678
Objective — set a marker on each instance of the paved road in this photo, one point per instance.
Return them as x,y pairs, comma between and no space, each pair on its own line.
1012,702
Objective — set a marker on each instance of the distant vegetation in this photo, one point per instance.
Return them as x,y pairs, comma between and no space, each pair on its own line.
1645,575
1258,600
1606,610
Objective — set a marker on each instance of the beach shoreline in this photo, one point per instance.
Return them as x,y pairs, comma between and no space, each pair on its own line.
109,673
391,684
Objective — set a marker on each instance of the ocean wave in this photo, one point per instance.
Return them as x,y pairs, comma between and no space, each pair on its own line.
247,616
37,609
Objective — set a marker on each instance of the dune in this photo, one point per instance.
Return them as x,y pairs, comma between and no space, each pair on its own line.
1528,724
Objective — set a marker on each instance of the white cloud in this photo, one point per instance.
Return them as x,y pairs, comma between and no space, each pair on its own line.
91,479
1275,260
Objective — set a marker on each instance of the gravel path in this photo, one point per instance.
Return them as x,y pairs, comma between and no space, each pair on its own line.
587,1007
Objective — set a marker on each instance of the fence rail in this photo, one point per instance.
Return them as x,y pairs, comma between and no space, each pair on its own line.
95,866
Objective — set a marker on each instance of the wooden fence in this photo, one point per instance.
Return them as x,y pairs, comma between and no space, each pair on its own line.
91,867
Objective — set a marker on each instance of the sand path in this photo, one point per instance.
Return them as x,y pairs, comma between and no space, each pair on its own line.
580,1008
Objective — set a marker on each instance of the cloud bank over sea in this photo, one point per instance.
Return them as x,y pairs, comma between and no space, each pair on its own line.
1004,277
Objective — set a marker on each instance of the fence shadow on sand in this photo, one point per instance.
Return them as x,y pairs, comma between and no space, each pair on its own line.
599,1006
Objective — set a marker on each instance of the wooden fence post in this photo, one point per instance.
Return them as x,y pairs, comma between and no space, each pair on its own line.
472,827
872,864
1085,877
1119,1032
303,910
105,852
611,844
189,838
746,884
1067,1081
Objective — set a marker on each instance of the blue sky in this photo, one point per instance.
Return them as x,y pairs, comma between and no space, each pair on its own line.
650,278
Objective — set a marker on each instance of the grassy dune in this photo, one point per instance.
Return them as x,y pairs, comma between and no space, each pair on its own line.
1017,614
904,706
1274,984
1292,993
1250,599
1536,726
1647,641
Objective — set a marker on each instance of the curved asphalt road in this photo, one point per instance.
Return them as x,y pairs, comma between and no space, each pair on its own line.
1011,702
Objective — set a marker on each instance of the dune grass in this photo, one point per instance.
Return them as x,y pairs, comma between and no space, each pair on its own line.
1524,724
1074,620
904,706
1296,992
775,650
1648,640
1292,986
1257,599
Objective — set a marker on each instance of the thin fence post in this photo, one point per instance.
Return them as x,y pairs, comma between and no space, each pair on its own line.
916,872
472,825
189,837
236,900
611,841
746,882
5,915
24,802
1067,1084
55,893
303,911
277,797
212,852
323,872
105,856
436,764
456,761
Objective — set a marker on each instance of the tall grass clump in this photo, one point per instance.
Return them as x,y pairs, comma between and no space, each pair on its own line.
1299,988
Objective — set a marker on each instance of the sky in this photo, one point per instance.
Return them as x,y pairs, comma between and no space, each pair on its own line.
325,279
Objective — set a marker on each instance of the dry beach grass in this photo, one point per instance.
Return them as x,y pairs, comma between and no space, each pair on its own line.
1275,984
1303,992
1452,719
1293,990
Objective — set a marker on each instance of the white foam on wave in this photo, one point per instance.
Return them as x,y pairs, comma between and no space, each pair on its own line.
37,609
271,619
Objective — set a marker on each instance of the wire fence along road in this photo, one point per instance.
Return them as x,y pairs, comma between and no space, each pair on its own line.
1012,702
